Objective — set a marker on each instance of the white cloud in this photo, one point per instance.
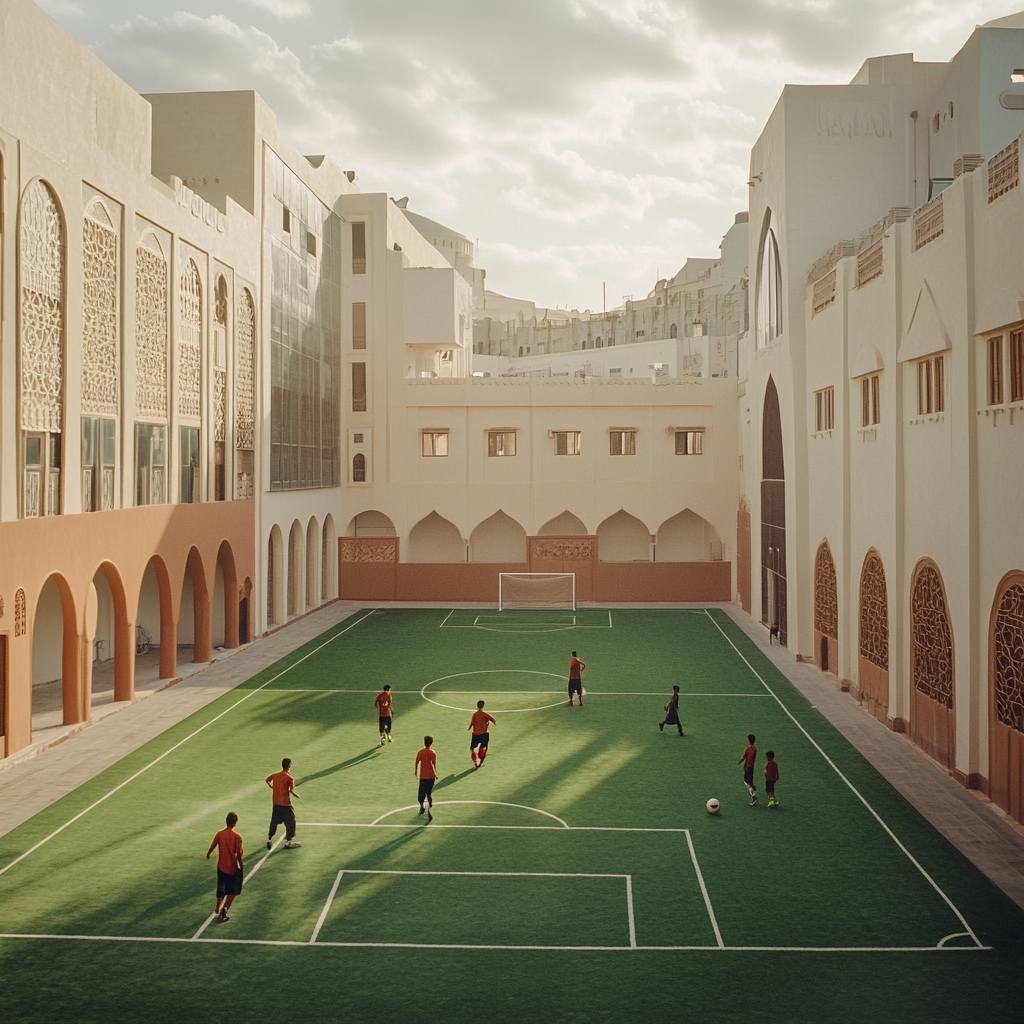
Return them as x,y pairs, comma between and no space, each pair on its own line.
283,8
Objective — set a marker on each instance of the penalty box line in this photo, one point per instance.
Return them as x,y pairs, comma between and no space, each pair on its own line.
892,835
131,778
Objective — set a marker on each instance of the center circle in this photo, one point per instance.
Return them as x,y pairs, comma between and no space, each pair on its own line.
493,672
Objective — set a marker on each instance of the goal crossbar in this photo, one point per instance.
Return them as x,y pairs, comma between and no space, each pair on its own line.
537,590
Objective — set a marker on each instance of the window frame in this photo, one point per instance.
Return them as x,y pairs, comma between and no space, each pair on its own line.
1017,366
825,410
431,438
573,448
870,400
931,386
493,446
994,353
693,440
623,438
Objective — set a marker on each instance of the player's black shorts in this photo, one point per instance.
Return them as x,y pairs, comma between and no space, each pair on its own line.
769,786
426,788
228,883
672,717
385,723
576,686
480,739
748,775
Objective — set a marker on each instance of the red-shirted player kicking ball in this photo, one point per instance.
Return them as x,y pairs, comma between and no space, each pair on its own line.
576,668
228,844
283,786
481,737
747,760
426,769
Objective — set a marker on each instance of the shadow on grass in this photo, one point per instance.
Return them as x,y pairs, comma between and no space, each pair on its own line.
450,780
366,755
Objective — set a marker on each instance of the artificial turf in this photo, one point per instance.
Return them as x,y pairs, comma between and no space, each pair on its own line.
828,908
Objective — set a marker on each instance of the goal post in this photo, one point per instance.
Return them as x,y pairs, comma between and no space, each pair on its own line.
536,590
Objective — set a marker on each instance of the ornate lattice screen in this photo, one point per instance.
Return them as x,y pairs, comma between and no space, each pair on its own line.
931,638
190,333
99,313
874,613
245,349
1009,658
150,332
826,608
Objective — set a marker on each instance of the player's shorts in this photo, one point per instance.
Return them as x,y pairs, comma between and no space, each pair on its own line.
480,739
426,788
385,723
769,786
748,775
282,815
228,883
576,686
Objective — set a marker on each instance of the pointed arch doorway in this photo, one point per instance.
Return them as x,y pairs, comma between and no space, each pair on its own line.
773,517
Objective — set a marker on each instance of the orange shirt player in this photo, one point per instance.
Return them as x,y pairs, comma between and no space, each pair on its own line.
383,706
479,725
228,844
426,769
747,760
576,668
283,786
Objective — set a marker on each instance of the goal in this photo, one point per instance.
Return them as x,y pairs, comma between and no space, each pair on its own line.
536,590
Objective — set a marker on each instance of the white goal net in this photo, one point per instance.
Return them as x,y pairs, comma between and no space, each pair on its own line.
536,590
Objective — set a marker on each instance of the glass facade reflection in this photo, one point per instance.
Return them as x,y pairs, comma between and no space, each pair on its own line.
304,242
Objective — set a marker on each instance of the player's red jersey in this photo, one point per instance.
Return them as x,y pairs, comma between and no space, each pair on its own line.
383,703
283,784
771,771
426,763
575,667
749,756
479,722
228,843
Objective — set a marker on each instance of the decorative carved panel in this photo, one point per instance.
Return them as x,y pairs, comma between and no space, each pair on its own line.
1009,658
20,616
874,613
42,310
190,334
358,549
826,607
245,349
150,334
931,638
568,550
99,316
220,399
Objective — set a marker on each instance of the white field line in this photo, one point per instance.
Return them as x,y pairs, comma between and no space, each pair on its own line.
157,760
598,693
446,618
629,911
453,945
656,693
704,891
433,827
494,803
327,906
488,874
892,835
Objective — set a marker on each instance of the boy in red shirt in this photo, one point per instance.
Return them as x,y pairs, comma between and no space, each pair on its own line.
283,786
747,760
426,769
383,706
479,724
228,844
771,776
576,668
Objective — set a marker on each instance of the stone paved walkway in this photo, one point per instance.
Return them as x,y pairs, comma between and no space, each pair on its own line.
34,779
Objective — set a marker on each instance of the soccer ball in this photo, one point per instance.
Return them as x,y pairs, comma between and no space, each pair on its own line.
713,806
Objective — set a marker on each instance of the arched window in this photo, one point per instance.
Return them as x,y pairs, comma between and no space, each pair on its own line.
673,331
359,468
769,284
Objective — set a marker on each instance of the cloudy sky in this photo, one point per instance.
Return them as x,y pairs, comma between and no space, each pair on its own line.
580,141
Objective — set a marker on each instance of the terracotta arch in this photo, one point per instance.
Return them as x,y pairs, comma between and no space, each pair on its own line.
124,641
932,682
226,561
826,610
873,657
73,653
202,625
1006,695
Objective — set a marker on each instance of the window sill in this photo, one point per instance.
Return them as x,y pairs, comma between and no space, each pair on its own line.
868,433
822,433
932,417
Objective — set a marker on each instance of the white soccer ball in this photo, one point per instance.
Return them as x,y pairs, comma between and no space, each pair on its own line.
713,806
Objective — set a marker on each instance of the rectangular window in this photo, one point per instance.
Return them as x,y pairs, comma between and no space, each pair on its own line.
567,442
1017,366
41,482
622,442
359,325
150,464
359,248
359,387
435,443
501,443
995,370
824,409
286,220
931,389
690,442
870,405
98,448
190,481
311,243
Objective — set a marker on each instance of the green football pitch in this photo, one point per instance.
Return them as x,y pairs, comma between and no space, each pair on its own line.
576,876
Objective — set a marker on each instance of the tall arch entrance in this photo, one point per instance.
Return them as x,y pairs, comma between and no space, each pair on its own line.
826,611
873,666
773,516
1006,697
932,716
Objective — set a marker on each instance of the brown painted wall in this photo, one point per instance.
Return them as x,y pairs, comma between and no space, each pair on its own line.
73,548
663,581
873,691
368,568
452,581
